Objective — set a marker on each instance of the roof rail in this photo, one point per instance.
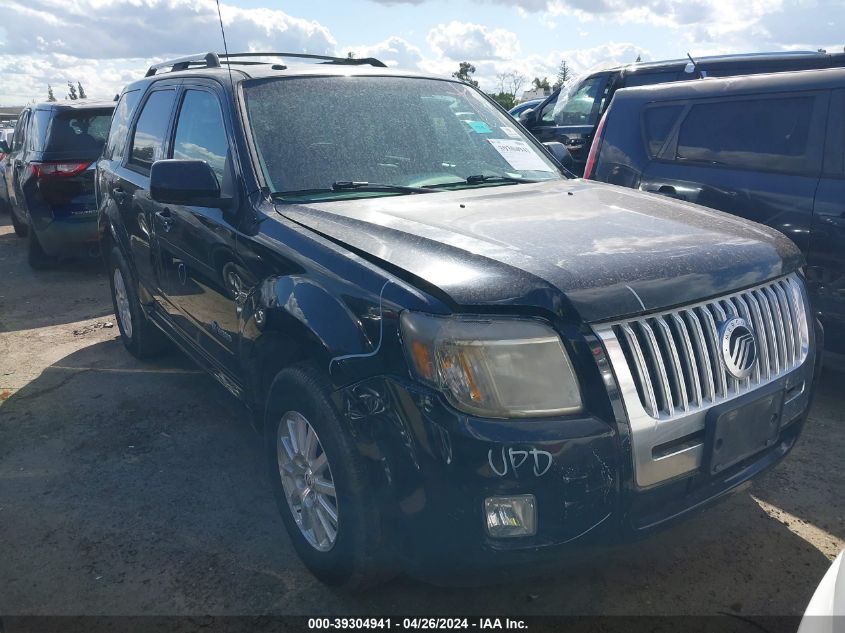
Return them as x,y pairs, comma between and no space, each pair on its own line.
203,60
354,61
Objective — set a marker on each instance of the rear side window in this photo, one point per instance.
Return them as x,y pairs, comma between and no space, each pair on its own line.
200,132
40,125
148,140
81,133
119,131
770,133
657,124
649,79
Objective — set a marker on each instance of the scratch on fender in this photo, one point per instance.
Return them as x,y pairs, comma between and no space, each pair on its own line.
380,332
512,458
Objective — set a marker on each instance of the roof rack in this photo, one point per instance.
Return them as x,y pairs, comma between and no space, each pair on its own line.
203,60
213,60
353,61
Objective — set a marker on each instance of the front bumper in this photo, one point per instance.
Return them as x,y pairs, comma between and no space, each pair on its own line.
433,467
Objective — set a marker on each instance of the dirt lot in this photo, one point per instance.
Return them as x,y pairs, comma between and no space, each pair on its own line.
130,488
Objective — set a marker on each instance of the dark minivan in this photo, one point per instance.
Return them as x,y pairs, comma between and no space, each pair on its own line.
570,115
459,357
49,177
768,148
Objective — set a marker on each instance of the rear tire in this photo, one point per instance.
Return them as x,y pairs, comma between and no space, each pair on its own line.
20,229
38,259
141,337
356,557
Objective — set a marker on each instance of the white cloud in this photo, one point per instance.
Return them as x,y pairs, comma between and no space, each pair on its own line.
394,51
107,43
467,41
114,29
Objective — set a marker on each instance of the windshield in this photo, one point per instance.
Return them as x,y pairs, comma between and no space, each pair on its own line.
313,133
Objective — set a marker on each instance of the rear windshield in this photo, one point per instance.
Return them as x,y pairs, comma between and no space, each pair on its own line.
81,133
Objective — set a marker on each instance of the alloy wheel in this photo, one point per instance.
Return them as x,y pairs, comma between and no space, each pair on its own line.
307,481
121,299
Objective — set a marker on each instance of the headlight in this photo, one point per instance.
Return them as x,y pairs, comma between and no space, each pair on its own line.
493,367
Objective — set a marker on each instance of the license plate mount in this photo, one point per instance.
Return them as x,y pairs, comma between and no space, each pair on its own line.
741,428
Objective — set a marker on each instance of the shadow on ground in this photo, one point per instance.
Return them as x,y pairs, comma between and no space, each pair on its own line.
74,290
130,488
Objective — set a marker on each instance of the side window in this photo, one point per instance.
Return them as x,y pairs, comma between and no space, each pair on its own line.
20,132
649,79
200,132
119,130
579,105
762,133
657,125
548,115
148,139
38,129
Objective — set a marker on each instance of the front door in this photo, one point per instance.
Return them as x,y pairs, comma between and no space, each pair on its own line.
200,270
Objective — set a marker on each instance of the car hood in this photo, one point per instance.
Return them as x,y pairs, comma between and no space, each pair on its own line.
572,245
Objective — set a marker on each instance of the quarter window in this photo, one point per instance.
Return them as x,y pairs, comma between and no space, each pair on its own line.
148,140
200,132
119,131
770,133
658,123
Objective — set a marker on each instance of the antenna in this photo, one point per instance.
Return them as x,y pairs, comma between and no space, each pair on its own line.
701,74
226,50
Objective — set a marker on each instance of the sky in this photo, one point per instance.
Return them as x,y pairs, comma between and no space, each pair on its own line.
105,44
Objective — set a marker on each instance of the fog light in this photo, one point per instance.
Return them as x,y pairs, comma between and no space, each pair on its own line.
511,516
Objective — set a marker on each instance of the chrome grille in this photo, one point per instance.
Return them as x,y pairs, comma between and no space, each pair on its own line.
674,357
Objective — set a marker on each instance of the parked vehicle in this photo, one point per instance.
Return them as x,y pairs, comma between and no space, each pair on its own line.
768,148
826,610
570,116
522,107
458,356
49,177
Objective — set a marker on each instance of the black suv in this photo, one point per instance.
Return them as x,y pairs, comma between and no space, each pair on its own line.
458,356
49,177
570,115
768,148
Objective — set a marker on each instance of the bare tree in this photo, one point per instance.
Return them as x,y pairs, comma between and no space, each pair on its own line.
511,82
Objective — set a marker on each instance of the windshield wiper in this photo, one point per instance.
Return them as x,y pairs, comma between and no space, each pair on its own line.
350,185
481,179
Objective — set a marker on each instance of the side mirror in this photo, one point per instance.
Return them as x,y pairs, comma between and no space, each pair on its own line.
189,182
561,154
527,116
4,147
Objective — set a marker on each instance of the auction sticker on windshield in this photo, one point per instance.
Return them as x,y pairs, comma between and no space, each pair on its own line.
519,155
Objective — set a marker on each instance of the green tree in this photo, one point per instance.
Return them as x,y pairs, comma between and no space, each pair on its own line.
541,84
465,72
350,55
71,92
638,59
564,74
504,99
50,96
82,94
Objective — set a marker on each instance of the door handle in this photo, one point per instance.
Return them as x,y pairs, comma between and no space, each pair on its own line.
667,190
165,219
119,195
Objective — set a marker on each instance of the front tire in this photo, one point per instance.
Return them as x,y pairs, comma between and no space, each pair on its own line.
141,337
320,483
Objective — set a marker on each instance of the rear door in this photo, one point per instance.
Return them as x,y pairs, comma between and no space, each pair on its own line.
826,258
15,165
758,157
130,186
199,265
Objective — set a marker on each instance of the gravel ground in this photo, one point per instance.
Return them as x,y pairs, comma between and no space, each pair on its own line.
136,488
